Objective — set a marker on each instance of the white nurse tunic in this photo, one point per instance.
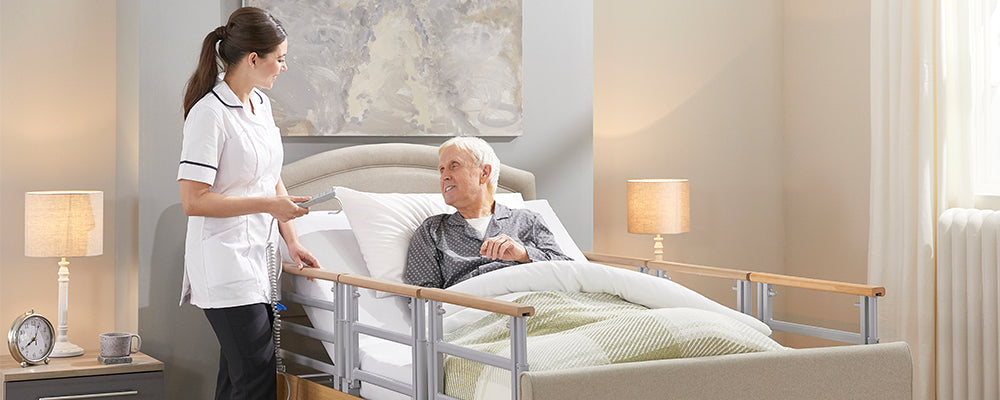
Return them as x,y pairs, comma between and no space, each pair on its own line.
238,153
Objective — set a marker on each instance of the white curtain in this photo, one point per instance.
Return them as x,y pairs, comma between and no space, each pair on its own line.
927,94
965,102
903,181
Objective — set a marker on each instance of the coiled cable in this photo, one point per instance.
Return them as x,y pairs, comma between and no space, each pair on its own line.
274,277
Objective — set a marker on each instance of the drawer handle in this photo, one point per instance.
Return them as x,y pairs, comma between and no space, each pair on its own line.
92,395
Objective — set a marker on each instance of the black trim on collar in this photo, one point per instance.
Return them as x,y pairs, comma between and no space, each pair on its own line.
223,102
199,164
261,97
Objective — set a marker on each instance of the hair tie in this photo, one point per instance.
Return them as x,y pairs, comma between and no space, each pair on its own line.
220,32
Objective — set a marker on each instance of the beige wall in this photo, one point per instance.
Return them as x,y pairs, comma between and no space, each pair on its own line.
827,150
57,99
763,105
686,89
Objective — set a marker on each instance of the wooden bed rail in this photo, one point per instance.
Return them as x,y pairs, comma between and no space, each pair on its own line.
616,260
702,270
760,277
818,284
477,302
380,285
445,296
312,272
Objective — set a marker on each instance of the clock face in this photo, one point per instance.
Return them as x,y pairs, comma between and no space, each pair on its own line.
35,338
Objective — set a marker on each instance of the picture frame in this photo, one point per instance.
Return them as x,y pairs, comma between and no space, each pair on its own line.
399,68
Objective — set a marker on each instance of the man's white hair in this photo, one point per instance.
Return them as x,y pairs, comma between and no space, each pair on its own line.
482,154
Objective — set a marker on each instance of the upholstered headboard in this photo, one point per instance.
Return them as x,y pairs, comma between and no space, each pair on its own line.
384,168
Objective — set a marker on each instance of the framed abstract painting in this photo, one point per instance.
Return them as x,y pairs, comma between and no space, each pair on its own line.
399,68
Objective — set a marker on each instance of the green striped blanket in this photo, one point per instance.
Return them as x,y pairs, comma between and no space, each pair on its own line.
585,329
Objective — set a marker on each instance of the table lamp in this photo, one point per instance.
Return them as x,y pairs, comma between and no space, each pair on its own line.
658,206
64,224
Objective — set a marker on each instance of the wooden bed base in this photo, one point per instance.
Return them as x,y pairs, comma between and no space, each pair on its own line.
304,389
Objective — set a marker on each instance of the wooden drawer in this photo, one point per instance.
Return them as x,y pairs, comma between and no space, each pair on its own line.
131,386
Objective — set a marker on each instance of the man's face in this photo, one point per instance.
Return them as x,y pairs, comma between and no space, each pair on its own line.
462,183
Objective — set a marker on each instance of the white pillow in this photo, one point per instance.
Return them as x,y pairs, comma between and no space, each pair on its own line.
328,236
384,223
565,242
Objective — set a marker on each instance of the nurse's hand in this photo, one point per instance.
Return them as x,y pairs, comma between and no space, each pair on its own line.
302,257
284,208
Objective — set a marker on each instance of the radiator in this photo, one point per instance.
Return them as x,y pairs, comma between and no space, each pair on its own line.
967,349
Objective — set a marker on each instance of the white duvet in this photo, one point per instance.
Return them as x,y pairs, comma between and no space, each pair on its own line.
584,276
394,360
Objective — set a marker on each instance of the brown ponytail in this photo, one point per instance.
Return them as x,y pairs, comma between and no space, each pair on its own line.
249,30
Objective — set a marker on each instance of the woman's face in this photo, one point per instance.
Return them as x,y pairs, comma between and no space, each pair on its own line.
270,65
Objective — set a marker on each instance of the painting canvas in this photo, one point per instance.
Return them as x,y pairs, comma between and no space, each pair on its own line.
399,67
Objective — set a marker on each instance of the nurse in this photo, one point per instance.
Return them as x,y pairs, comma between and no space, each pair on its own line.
231,189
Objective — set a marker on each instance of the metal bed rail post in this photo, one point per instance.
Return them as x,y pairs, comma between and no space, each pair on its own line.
420,346
340,314
744,297
764,303
352,356
518,354
869,319
435,359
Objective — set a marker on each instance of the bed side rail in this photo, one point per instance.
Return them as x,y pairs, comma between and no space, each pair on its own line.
745,280
867,305
426,338
743,288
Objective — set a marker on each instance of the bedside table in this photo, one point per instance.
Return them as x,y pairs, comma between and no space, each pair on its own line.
74,377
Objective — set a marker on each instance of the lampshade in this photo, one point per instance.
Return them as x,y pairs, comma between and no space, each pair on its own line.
63,224
658,206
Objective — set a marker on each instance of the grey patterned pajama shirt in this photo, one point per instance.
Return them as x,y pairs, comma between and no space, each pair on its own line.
445,248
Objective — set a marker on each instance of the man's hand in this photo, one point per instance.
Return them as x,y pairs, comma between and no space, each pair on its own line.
502,247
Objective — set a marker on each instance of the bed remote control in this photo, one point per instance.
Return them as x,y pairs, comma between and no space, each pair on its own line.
319,198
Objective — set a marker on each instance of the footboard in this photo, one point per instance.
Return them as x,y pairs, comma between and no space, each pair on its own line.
880,371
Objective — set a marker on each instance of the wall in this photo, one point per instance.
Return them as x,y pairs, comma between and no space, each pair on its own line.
170,35
3,312
827,151
692,90
57,98
557,146
764,106
127,167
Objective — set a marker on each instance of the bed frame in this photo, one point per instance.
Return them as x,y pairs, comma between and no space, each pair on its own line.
866,369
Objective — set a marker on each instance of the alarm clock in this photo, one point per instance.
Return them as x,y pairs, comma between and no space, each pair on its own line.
31,339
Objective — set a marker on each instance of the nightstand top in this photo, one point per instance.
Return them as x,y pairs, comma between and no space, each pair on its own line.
85,365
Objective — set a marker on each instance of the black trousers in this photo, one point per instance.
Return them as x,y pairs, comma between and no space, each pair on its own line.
246,358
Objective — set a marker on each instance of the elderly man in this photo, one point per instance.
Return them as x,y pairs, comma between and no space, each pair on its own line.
483,235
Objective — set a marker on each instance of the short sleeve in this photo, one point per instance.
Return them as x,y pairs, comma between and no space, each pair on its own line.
202,146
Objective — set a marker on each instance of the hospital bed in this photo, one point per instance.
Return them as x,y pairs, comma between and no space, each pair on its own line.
348,310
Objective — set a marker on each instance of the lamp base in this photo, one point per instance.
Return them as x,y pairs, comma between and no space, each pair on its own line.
66,349
658,248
